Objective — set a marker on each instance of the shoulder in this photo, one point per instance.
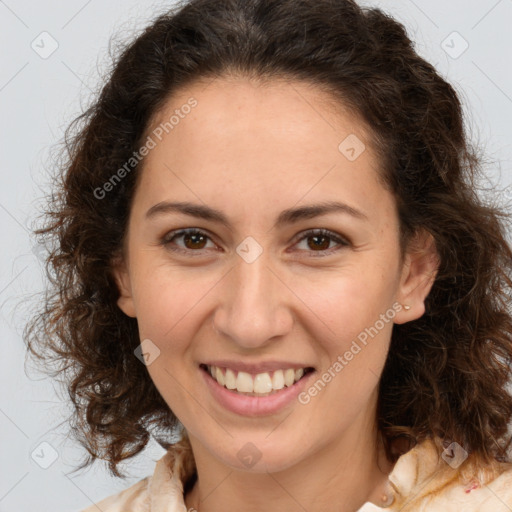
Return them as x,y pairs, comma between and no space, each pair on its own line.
433,478
158,492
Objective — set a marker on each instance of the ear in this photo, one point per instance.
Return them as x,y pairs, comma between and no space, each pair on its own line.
421,263
122,278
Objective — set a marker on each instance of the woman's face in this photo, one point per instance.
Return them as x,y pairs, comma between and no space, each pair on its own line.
255,287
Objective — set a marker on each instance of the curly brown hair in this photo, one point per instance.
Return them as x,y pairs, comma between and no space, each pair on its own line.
446,373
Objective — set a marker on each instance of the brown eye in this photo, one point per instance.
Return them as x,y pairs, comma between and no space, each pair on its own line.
193,240
320,240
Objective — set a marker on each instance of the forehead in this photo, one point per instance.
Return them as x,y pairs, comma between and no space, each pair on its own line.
274,112
281,141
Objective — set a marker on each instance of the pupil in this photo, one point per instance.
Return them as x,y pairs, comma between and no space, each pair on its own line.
321,246
194,238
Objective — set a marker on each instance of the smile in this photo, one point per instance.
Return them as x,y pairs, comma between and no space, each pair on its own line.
261,384
251,403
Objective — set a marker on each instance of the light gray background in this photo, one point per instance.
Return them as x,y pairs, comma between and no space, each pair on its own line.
40,96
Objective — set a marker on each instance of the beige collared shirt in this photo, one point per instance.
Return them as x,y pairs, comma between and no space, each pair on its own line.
421,480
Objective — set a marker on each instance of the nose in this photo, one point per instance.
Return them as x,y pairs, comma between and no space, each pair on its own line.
254,307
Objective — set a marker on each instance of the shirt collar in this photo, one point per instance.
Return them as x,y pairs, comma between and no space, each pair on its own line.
174,469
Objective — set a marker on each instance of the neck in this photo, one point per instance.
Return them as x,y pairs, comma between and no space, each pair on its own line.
341,475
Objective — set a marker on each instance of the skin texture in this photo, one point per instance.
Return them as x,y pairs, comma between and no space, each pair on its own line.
252,151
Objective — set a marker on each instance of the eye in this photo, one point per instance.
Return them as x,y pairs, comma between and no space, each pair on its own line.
319,240
194,240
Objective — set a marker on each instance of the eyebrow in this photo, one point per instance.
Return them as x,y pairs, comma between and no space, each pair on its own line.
289,216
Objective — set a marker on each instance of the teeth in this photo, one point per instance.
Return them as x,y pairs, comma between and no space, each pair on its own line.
289,377
261,384
278,380
230,379
244,382
219,376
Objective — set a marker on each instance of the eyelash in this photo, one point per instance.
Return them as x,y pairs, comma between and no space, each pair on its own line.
167,240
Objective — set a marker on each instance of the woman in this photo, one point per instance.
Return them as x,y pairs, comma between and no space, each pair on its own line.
268,237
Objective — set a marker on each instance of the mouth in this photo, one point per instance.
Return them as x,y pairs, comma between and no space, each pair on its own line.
257,385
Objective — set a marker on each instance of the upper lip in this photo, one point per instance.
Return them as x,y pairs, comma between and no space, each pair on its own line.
255,368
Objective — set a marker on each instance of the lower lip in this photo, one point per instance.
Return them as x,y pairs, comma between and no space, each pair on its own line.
255,405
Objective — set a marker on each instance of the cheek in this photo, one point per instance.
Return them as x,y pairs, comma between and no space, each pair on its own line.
349,300
168,301
358,312
337,305
169,313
